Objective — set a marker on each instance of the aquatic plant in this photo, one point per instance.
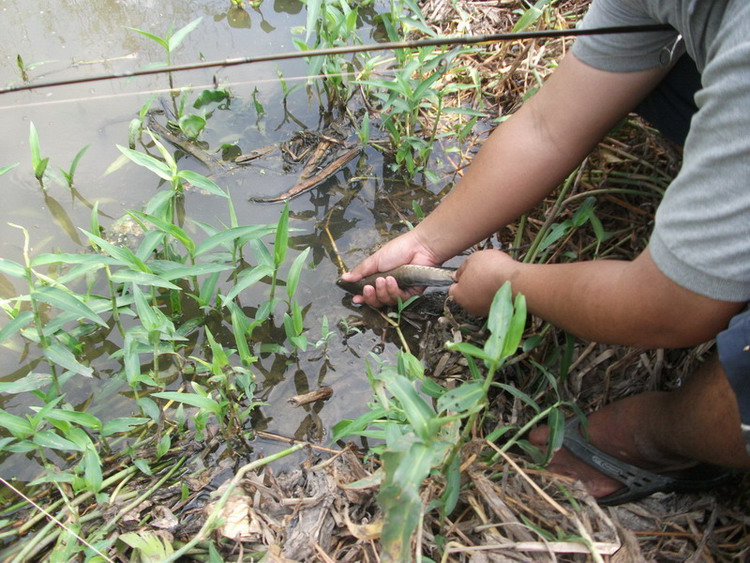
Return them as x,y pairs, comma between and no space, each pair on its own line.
141,292
332,23
171,40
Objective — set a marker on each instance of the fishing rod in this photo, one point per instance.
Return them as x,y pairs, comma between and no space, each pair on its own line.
343,50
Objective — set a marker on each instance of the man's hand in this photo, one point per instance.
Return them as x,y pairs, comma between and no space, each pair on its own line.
406,249
479,278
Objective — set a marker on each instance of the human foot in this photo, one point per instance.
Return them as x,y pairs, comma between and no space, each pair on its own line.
616,459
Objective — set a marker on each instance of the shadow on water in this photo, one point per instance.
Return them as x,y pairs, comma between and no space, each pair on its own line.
342,219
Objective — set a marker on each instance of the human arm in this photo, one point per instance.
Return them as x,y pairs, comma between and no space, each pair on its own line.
524,159
608,301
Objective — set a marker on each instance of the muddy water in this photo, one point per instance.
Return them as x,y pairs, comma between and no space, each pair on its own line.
74,38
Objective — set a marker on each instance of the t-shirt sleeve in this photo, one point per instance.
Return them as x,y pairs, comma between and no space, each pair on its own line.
624,52
701,238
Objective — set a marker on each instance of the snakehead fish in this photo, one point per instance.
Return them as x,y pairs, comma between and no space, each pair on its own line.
409,275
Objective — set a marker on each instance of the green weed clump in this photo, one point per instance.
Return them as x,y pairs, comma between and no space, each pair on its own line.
157,299
402,96
418,441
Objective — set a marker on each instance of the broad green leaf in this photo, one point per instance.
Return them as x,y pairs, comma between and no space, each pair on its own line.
4,169
61,356
516,327
281,241
142,278
30,382
50,439
165,443
420,414
297,318
149,408
79,437
149,162
76,160
218,355
178,37
83,270
149,316
313,15
207,97
465,398
176,271
530,16
520,395
400,500
122,424
23,319
295,271
410,366
261,252
12,268
237,233
245,280
420,90
67,302
19,427
22,447
432,388
355,427
160,202
239,329
143,466
151,36
556,425
208,289
201,182
80,418
68,259
468,349
452,486
204,403
498,322
92,470
165,153
123,254
169,228
36,153
192,125
61,217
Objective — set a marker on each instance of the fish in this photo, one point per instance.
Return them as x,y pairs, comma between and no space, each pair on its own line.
409,275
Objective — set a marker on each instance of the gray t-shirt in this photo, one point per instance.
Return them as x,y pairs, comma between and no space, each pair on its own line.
701,239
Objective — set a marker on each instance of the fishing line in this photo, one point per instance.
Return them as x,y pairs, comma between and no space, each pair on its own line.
180,89
432,42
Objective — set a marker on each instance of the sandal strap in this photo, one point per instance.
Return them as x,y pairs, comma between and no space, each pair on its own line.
637,482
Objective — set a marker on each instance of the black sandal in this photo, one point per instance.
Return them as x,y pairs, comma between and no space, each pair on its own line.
638,483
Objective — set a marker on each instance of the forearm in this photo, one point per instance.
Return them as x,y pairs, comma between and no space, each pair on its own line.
531,153
620,302
515,169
